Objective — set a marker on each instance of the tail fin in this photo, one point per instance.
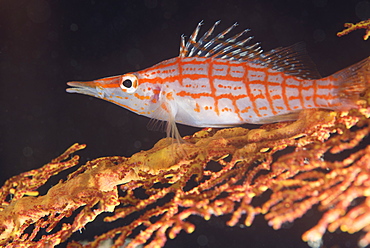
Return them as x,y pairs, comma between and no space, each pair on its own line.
352,81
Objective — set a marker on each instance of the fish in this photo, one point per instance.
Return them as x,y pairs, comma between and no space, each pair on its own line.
223,80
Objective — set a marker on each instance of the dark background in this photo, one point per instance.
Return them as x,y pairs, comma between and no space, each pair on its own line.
44,44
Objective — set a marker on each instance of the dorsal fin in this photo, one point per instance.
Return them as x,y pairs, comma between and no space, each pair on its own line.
291,60
217,46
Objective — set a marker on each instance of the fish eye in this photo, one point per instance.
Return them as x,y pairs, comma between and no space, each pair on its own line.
129,83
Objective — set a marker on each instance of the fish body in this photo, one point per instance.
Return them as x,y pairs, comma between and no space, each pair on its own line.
222,82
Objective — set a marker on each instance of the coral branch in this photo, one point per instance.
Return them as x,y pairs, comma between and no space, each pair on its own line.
360,25
213,173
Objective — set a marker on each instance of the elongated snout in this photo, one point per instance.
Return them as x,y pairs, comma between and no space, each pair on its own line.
94,88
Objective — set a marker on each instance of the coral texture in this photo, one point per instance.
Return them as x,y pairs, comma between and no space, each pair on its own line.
349,27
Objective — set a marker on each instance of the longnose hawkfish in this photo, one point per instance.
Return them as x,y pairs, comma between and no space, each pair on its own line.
221,80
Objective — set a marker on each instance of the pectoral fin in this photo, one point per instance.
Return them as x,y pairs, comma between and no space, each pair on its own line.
166,112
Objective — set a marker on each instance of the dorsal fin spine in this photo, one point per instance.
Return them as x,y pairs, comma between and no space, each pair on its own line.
182,46
241,43
209,32
288,60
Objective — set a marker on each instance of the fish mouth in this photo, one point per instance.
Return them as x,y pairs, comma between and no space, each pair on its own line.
96,88
86,88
